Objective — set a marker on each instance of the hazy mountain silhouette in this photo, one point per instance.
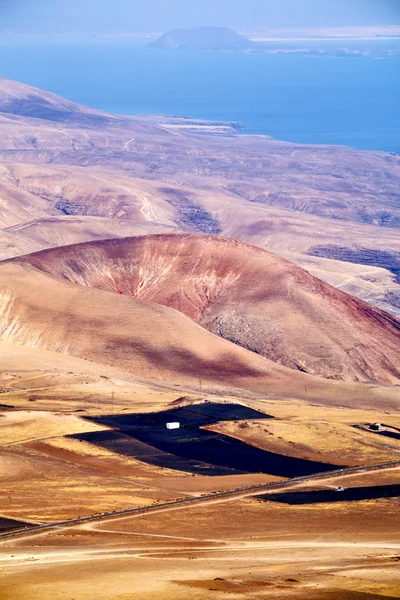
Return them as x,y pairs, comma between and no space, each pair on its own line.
204,38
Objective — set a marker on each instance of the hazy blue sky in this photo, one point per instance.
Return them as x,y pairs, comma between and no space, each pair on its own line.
160,15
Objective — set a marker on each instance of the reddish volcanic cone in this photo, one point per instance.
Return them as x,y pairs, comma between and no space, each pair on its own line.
244,294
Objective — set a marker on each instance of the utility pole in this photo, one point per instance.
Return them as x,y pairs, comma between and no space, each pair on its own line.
112,403
200,387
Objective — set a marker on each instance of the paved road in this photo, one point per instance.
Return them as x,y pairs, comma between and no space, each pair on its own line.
254,489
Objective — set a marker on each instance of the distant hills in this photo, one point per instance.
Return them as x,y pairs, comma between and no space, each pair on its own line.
224,39
71,174
27,101
204,38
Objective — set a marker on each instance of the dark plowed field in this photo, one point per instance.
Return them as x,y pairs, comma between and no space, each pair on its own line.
362,256
391,432
196,415
336,595
196,450
134,448
9,524
348,495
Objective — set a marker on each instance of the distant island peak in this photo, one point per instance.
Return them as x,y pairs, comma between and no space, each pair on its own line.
204,38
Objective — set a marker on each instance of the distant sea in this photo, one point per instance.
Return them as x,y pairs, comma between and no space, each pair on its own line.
353,101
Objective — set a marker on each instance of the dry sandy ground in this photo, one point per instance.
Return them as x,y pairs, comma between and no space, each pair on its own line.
242,548
85,479
237,549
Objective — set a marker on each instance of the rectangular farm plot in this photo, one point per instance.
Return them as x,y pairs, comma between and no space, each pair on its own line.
225,451
386,430
193,449
125,444
332,495
197,415
390,434
10,524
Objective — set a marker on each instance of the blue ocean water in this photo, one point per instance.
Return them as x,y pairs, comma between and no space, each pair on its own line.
353,101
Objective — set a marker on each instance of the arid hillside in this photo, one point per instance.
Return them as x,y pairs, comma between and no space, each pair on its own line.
70,174
332,181
23,100
241,293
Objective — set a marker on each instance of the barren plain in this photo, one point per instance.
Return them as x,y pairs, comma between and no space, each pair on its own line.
242,546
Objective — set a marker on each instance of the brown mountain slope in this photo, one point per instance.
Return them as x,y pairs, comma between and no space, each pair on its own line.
40,312
25,100
244,294
59,191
